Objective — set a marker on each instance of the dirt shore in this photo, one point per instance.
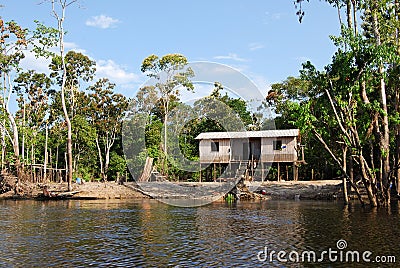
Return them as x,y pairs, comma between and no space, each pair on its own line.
317,190
87,190
328,189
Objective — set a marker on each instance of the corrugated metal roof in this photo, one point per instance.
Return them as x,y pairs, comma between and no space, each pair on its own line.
249,134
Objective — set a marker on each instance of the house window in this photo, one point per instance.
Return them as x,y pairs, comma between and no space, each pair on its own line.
277,145
214,146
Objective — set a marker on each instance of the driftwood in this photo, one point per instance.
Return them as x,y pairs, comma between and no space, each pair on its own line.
241,192
47,195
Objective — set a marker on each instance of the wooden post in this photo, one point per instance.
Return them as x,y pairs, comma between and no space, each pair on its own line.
215,172
220,172
287,172
252,167
279,172
262,172
200,173
295,172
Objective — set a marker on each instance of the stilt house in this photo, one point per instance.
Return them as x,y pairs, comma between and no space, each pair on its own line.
258,149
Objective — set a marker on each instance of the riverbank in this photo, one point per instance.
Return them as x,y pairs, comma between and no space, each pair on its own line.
306,190
87,190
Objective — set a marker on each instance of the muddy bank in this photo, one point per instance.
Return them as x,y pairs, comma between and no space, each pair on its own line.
306,190
318,190
87,190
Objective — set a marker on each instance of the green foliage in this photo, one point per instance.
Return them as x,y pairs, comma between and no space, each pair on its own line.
117,165
47,37
78,66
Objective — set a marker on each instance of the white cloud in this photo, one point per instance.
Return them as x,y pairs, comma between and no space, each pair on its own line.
126,81
41,64
102,21
255,46
30,62
230,56
72,46
116,73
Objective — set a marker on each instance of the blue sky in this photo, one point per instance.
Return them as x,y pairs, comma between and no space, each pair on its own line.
262,39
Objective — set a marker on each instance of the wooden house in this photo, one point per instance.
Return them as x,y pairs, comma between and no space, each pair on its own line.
255,148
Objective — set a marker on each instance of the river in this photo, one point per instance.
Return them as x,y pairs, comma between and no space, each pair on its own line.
147,233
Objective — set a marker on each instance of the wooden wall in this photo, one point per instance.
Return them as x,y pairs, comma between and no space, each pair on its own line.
287,154
268,154
207,156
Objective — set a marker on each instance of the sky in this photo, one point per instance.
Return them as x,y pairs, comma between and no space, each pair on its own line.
260,38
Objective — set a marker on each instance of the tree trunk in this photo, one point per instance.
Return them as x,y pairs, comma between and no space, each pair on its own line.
349,14
165,163
385,137
23,135
60,21
45,155
100,159
3,133
3,148
354,3
345,196
339,164
15,145
107,162
397,151
367,181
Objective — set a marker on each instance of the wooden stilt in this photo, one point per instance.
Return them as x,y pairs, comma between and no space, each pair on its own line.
220,172
287,172
295,172
262,172
215,172
279,172
200,174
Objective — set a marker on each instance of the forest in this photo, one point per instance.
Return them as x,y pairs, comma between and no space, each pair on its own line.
65,124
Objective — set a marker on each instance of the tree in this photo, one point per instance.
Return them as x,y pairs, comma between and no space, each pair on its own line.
106,110
13,40
68,68
33,90
349,102
169,72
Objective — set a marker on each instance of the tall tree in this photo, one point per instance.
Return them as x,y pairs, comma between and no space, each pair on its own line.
357,88
33,90
13,41
60,17
106,110
170,73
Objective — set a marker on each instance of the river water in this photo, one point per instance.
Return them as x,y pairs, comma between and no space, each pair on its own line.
147,233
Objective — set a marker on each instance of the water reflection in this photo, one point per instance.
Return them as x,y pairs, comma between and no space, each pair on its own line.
146,233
